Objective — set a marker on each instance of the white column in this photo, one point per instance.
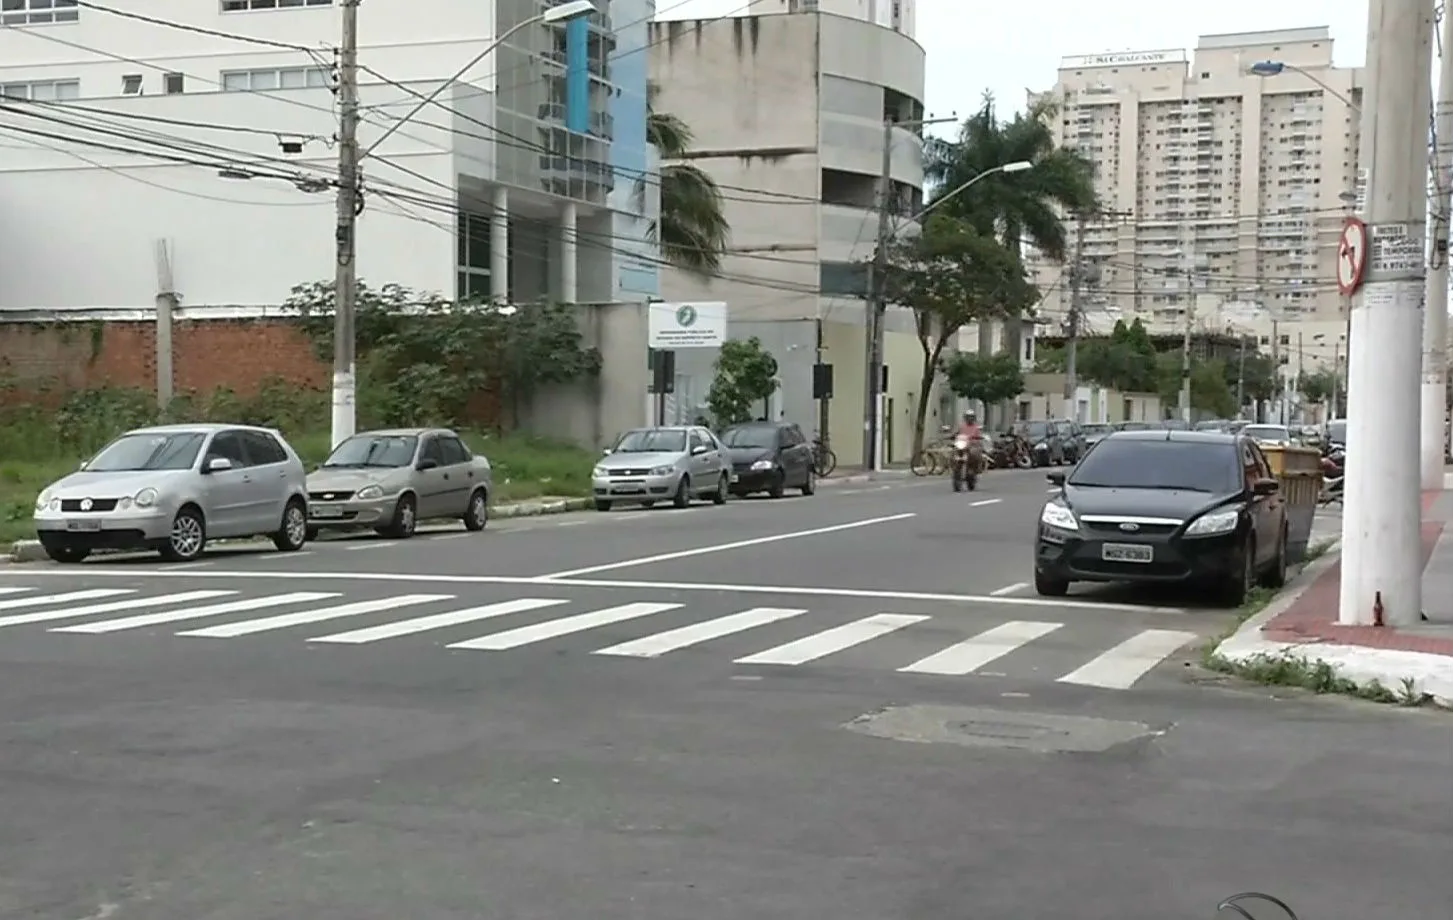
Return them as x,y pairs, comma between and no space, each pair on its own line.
569,286
1382,565
1435,316
499,246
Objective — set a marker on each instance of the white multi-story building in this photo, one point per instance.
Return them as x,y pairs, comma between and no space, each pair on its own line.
787,113
209,125
1227,186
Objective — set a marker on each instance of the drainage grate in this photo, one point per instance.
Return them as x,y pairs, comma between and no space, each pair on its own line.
999,728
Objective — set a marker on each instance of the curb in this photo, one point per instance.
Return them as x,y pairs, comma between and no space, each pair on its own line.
1429,674
31,550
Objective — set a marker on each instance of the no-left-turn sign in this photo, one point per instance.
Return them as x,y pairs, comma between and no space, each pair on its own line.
1351,256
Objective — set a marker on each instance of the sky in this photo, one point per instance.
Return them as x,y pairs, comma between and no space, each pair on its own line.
1004,48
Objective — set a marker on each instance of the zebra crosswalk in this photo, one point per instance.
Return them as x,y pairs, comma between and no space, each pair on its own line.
955,644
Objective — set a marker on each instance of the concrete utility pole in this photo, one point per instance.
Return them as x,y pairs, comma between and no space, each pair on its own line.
1186,367
166,309
1278,385
345,288
1072,333
1241,379
1382,566
876,307
1435,317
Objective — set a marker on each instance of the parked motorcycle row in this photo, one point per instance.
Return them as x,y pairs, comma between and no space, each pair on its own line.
1334,471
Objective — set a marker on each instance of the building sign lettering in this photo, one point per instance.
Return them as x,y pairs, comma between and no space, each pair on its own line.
1120,59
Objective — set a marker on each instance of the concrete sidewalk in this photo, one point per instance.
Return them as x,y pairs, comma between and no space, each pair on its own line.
1302,623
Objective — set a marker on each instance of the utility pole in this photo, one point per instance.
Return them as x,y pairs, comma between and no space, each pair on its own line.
1072,334
1296,389
345,288
873,319
1186,368
1435,317
1278,387
1382,562
1241,379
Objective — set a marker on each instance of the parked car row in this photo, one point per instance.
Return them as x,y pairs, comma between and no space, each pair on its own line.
174,488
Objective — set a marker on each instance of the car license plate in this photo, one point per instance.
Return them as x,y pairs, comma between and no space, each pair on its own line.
1127,552
325,512
83,526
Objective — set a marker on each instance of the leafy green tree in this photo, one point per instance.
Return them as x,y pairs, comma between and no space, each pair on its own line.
1029,205
988,378
746,376
951,275
427,360
1209,390
692,228
1317,387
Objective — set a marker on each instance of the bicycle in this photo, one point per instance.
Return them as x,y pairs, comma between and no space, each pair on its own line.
933,459
824,461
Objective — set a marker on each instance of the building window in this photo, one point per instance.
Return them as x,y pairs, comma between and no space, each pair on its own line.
131,84
473,258
174,83
43,90
243,81
33,12
843,279
239,6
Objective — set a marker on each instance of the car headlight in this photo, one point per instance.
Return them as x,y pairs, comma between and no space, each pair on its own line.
1217,522
1058,516
42,501
145,498
598,473
762,465
663,471
1041,446
370,492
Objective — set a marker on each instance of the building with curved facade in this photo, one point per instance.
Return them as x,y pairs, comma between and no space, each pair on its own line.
787,113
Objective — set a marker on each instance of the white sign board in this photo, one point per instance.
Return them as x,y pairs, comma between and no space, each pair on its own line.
1395,249
1122,59
673,326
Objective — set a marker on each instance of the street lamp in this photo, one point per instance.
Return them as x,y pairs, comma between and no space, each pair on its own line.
872,404
564,12
1277,68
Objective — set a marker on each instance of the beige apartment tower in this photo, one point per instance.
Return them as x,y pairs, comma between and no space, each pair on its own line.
1230,186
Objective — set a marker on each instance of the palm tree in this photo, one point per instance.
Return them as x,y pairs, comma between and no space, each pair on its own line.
1029,205
692,229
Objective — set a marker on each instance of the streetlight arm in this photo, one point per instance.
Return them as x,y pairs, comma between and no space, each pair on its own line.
1017,166
1274,68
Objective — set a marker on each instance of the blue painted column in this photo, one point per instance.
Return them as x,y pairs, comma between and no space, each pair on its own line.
577,75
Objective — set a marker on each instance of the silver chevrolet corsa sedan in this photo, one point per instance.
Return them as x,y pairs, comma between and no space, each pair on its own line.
391,480
174,487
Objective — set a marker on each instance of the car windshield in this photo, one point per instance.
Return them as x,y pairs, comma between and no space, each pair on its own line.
1267,432
1134,426
652,441
1337,432
1133,463
373,450
1035,429
1095,429
149,451
1175,424
762,436
1210,426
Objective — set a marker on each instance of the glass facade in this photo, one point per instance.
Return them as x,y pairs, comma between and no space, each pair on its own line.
635,198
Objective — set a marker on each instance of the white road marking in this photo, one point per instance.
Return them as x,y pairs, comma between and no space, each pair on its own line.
695,634
970,655
1120,667
724,547
270,556
987,501
194,613
88,595
709,587
134,603
831,641
527,635
439,621
286,620
15,590
1010,589
363,546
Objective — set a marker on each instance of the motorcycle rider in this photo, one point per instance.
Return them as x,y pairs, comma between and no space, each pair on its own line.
970,430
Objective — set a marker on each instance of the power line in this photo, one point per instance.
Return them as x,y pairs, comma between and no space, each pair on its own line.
199,30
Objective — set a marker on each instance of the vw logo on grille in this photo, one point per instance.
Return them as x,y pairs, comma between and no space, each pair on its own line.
1129,526
327,496
86,504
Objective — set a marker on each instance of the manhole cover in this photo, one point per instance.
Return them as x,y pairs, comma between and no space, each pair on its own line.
999,728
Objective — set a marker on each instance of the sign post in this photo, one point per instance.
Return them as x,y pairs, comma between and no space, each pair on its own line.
675,326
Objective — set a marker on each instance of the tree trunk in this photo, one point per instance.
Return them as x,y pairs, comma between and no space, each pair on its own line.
925,385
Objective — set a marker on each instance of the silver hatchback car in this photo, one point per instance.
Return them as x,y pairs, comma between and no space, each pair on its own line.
174,487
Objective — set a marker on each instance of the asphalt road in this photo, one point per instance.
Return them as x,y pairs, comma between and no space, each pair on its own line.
793,708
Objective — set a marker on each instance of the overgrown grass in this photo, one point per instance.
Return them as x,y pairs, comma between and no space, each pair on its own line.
38,447
1294,669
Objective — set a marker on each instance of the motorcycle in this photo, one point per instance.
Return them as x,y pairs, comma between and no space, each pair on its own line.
1334,473
1010,451
966,463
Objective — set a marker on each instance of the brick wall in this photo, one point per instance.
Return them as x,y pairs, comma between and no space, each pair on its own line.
207,354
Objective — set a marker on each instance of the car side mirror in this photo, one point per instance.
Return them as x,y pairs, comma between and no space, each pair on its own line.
217,465
83,464
1265,487
427,465
1055,477
605,452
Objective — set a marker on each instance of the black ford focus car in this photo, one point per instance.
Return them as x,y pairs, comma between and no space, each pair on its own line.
1165,506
